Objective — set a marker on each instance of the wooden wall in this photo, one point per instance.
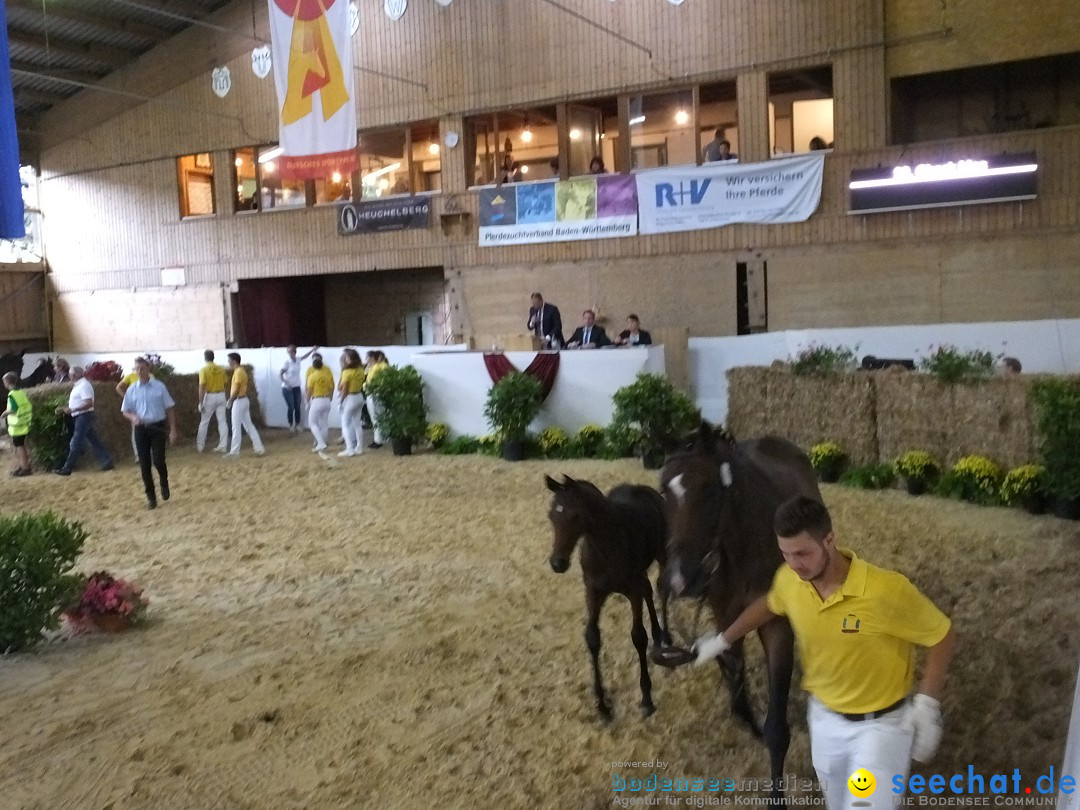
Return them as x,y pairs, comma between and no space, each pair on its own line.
114,186
24,319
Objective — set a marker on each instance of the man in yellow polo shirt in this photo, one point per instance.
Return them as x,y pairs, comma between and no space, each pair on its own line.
856,628
212,403
241,409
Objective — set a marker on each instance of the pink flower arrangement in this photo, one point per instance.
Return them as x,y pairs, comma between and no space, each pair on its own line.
106,596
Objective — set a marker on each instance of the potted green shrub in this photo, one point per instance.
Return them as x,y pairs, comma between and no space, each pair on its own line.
975,479
403,416
512,405
919,469
1025,486
828,459
652,408
1057,404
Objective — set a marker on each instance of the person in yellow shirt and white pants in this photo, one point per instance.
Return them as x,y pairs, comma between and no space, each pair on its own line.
856,628
319,390
241,409
350,387
212,403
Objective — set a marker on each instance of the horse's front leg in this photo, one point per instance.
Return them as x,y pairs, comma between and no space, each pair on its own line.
594,601
641,643
733,665
661,634
779,642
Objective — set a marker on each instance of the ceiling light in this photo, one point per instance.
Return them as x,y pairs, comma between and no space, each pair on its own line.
526,135
336,177
433,148
382,171
575,134
524,169
270,154
681,117
268,166
239,162
640,119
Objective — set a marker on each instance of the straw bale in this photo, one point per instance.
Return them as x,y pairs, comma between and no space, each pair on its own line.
115,430
806,409
913,413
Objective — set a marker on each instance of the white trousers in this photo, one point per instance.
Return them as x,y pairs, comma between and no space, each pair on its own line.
375,410
319,420
839,747
213,405
351,426
241,418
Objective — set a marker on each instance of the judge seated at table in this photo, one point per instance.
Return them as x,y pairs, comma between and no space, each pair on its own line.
588,335
633,335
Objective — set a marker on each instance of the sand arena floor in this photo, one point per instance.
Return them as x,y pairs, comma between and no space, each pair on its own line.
385,633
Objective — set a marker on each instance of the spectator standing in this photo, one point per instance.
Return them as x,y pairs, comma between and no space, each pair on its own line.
320,392
80,408
718,149
351,388
61,371
376,363
241,409
290,385
212,403
18,413
150,408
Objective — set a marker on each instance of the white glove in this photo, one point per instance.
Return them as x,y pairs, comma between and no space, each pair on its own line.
926,720
709,646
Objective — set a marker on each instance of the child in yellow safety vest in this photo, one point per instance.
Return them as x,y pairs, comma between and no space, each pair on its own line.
18,414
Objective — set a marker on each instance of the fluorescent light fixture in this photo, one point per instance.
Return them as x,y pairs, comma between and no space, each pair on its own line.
270,154
380,172
936,173
637,120
637,110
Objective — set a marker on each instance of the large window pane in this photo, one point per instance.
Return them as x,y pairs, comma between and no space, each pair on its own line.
276,193
514,146
801,110
384,164
335,188
196,178
426,157
246,187
718,117
661,130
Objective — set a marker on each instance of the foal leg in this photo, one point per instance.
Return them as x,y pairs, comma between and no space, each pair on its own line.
778,641
594,601
641,643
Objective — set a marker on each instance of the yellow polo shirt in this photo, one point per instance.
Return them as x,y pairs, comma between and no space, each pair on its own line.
353,380
857,648
320,382
129,379
239,383
212,378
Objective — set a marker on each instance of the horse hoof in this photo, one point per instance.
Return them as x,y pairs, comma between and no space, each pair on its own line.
605,712
647,709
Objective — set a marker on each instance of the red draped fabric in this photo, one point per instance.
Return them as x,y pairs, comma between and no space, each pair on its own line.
544,367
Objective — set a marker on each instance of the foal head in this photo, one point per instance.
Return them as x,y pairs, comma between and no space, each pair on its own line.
572,512
696,485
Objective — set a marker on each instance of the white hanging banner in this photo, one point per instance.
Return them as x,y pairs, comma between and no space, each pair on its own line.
698,197
316,88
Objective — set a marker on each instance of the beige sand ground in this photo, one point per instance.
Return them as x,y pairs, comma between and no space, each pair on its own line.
386,634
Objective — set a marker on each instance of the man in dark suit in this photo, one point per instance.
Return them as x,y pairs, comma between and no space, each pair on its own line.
545,322
633,335
588,335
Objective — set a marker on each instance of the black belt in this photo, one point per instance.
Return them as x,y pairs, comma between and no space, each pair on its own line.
858,718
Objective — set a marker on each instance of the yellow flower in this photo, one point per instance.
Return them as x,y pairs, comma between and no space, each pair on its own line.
1023,482
826,453
916,464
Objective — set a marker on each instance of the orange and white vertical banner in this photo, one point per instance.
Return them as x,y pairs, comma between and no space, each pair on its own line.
316,87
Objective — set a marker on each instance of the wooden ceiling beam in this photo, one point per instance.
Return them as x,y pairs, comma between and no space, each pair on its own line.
117,20
101,54
55,73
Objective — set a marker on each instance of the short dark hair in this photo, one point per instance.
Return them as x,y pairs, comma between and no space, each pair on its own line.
726,143
208,355
719,133
234,356
633,317
537,295
585,312
1012,364
802,514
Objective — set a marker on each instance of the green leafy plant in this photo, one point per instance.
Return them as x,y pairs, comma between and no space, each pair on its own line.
870,476
950,364
973,478
460,446
824,359
48,438
159,368
400,392
828,458
37,552
553,441
1057,403
917,464
437,434
620,441
655,411
1021,483
513,403
489,445
586,442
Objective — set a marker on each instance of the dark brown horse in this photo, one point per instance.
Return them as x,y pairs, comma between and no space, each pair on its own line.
623,534
721,497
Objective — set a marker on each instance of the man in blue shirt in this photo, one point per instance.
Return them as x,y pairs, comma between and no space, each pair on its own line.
149,406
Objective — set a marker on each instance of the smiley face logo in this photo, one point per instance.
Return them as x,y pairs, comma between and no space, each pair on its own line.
862,783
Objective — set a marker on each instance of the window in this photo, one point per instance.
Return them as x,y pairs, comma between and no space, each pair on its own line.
513,146
274,191
28,248
195,174
718,118
335,188
247,184
400,161
1011,96
662,130
801,110
593,130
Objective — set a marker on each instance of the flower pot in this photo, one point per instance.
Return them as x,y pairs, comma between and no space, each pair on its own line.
111,622
1034,504
513,450
402,447
915,486
829,475
1068,508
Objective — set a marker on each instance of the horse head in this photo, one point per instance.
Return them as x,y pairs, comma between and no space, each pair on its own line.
697,487
571,514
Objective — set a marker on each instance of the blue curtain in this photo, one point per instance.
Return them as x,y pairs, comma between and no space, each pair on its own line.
11,206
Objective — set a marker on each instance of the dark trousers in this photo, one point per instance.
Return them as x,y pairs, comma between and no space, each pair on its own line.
150,445
82,433
292,403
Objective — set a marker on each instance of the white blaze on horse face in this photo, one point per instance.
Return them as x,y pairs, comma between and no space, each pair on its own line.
725,474
677,488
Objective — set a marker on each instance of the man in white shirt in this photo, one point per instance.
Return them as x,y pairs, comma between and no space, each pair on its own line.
81,409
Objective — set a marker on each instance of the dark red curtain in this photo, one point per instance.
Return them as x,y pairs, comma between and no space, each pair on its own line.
280,311
544,367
